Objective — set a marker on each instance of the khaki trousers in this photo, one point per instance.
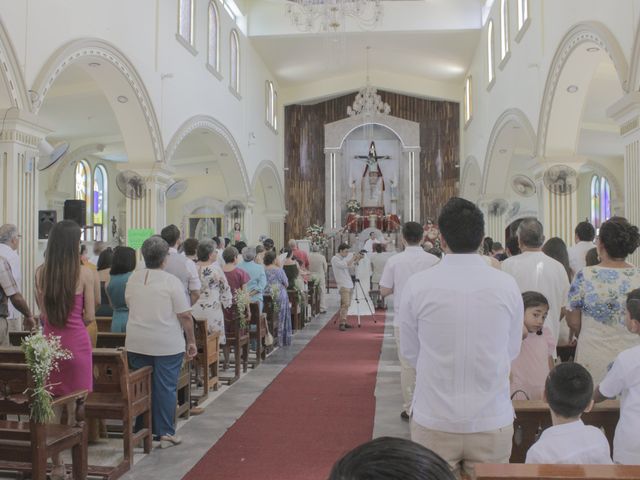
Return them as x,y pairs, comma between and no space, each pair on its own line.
345,302
464,450
407,376
4,332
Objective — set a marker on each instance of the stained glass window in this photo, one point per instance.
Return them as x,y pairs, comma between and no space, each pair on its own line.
99,208
600,200
214,36
82,180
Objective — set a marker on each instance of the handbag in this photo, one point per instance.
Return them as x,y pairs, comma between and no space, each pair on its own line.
268,338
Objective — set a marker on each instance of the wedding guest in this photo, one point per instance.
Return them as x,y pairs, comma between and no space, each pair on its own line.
276,277
460,328
257,278
9,242
568,392
105,260
236,277
597,298
591,258
298,253
179,265
159,321
557,249
189,249
123,265
260,250
585,233
622,379
65,295
512,247
318,269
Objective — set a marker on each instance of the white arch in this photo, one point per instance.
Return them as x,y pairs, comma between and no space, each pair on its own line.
408,132
634,71
267,166
508,118
149,145
12,73
470,170
585,32
206,122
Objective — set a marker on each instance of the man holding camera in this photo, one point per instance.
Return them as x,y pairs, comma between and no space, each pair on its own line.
341,263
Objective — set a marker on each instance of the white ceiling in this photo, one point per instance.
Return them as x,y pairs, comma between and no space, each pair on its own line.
435,39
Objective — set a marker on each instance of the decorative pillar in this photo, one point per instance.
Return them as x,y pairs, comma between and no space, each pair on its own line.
19,181
276,227
494,221
626,113
333,190
410,182
150,210
250,204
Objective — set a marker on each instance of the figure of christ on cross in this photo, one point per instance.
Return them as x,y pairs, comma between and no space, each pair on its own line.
373,186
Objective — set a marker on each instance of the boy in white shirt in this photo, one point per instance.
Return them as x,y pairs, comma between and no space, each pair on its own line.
568,392
624,378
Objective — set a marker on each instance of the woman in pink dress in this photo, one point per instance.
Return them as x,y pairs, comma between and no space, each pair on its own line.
65,295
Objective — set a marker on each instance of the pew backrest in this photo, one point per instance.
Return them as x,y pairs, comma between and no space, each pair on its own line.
519,471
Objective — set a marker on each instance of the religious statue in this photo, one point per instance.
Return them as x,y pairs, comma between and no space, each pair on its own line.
353,190
373,182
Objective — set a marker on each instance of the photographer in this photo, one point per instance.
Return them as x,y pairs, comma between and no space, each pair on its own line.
341,264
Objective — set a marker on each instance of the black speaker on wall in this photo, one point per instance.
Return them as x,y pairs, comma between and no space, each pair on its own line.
76,210
46,220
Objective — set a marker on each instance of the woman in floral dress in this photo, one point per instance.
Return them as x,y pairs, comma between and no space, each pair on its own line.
276,276
597,299
214,293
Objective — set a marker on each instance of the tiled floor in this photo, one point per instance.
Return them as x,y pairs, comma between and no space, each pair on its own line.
224,407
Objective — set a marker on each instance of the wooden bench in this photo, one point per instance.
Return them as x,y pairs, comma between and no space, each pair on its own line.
121,394
15,337
296,320
520,471
26,446
532,417
110,340
207,359
238,341
257,333
103,324
272,320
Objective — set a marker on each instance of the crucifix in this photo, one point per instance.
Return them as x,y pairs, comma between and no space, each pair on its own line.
373,188
373,157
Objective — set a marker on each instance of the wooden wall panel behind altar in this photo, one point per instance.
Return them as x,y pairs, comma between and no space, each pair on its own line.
304,154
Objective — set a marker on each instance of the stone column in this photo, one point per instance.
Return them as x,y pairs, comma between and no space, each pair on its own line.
19,204
333,189
150,210
626,113
276,227
494,222
250,204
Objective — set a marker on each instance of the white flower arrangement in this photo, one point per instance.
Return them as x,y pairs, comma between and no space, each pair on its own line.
316,236
42,354
353,206
275,298
242,300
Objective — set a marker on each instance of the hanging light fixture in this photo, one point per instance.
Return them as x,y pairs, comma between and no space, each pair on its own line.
330,15
367,101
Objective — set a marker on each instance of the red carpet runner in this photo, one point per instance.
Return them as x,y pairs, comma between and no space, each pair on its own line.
319,407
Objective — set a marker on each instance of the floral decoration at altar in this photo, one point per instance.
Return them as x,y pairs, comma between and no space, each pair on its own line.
353,206
316,236
432,235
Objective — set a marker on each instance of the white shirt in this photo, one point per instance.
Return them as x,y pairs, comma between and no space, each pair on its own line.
368,245
400,267
185,269
624,378
341,270
571,443
577,255
537,272
13,259
154,298
461,327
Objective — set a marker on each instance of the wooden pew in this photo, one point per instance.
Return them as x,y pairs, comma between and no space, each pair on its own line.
104,324
120,394
238,341
207,359
15,338
26,446
520,471
296,320
532,417
272,319
257,333
110,340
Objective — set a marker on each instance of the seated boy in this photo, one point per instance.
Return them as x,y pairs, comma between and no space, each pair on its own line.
568,391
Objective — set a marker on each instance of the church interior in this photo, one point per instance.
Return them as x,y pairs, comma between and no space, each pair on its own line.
311,124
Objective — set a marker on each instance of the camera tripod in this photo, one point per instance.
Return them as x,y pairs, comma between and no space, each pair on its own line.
357,286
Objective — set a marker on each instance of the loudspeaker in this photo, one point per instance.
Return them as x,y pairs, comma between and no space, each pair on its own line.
76,210
46,220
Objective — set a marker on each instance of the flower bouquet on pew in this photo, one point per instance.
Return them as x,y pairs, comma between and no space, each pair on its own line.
242,299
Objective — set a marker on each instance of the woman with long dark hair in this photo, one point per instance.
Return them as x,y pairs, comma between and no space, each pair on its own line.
557,249
65,294
123,265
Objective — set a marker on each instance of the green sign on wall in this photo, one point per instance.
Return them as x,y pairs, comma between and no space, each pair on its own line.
137,236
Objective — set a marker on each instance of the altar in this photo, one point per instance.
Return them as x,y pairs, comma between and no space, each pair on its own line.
372,173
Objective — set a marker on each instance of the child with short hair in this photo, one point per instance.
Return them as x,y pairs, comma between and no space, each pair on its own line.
624,378
568,391
530,368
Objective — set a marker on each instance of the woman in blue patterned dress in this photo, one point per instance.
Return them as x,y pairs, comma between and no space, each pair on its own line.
276,276
597,299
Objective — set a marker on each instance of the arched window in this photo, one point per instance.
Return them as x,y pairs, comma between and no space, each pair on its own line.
467,100
82,177
490,69
99,207
234,58
185,21
214,37
504,29
271,105
600,200
523,13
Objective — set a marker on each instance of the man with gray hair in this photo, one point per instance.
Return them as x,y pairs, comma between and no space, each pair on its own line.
257,277
9,241
318,268
536,272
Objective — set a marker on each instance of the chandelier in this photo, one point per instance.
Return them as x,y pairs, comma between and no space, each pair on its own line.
330,15
368,101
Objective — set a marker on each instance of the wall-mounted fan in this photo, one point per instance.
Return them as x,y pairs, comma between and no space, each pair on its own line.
176,189
561,180
50,155
523,185
497,207
130,184
513,209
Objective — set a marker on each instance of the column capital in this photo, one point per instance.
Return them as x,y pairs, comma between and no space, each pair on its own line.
22,127
626,113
